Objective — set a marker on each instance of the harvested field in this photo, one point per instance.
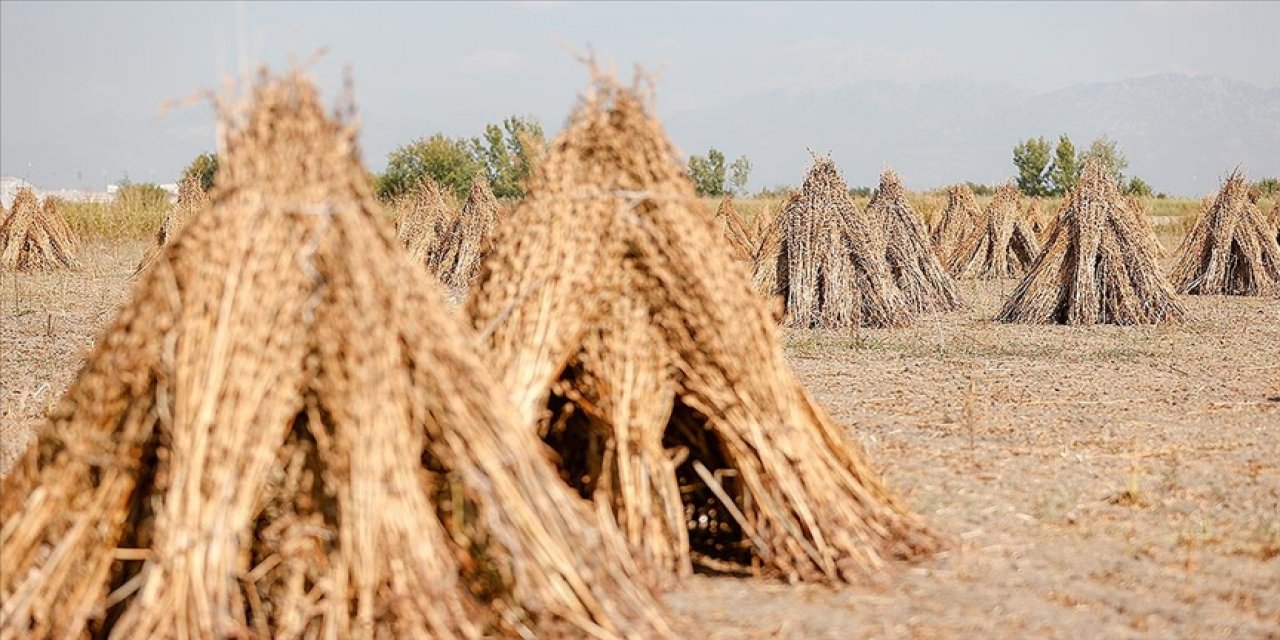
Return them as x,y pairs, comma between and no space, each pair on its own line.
1117,482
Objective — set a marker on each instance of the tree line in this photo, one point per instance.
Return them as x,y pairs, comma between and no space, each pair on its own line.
508,151
1043,170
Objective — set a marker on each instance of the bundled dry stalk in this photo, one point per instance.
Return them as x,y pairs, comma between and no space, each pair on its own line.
469,238
764,268
1002,245
828,263
58,226
192,200
915,268
957,221
1275,219
426,219
35,237
1038,219
284,434
760,224
733,228
1098,265
1139,208
1230,249
631,342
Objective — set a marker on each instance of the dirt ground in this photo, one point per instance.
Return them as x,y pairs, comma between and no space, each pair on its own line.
1095,483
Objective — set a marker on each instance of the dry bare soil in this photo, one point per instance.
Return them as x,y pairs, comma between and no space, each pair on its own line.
1095,483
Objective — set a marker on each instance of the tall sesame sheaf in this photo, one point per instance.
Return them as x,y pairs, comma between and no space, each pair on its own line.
1098,265
958,219
630,340
828,262
285,434
192,201
1230,249
1002,244
35,237
913,265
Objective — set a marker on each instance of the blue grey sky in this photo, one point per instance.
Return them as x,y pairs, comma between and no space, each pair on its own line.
81,83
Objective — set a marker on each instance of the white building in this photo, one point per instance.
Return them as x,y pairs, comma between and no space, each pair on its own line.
10,185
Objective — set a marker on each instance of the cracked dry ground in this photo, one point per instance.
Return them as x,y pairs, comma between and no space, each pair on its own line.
1094,482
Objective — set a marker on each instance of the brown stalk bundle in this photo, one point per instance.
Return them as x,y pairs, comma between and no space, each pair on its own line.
1098,265
1230,249
469,237
958,220
1002,245
1275,219
829,264
764,260
58,226
284,434
192,200
35,237
1139,208
915,268
760,223
734,229
426,220
1036,217
632,343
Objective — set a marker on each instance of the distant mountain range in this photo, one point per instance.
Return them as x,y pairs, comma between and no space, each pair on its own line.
1181,134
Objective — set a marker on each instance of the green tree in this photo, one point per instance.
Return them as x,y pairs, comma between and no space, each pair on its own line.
1108,151
508,152
1031,158
708,173
1137,187
739,173
1066,169
449,161
205,166
1267,187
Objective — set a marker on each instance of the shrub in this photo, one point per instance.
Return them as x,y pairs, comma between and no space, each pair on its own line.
205,166
449,161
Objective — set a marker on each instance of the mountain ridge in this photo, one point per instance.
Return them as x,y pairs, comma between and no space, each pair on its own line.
1181,133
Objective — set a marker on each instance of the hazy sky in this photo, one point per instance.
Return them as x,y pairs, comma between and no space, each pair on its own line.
81,84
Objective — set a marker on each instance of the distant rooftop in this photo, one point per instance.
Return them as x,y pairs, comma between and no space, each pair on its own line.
9,186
